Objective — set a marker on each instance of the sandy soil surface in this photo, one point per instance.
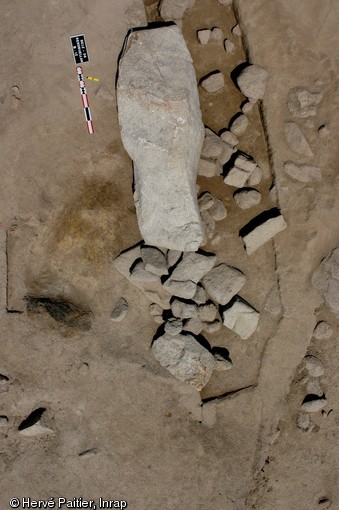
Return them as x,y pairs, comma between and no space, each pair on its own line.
116,425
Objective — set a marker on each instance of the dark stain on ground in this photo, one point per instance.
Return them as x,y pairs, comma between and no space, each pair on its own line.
64,312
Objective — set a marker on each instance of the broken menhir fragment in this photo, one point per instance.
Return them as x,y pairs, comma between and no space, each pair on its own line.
193,266
185,358
213,81
162,131
239,169
261,229
240,317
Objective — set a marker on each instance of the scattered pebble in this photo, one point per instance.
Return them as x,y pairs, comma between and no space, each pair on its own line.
183,310
218,211
173,326
204,35
302,173
3,421
223,282
302,103
323,131
313,403
247,198
229,46
120,310
193,325
314,366
216,34
208,168
205,201
296,140
229,137
213,82
303,421
207,312
236,31
154,260
252,82
239,125
322,331
240,317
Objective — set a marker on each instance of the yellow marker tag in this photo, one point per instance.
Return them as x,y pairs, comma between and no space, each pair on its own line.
92,79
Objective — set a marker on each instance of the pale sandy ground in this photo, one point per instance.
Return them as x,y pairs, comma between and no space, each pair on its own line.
70,196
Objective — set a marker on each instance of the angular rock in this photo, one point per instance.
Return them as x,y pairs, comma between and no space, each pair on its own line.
185,358
247,106
223,282
314,366
213,82
162,131
209,224
155,309
313,405
183,310
255,177
193,266
322,331
252,82
154,260
159,296
303,421
207,312
239,124
302,103
208,168
326,280
314,388
226,154
205,201
173,326
236,31
262,229
212,327
174,9
229,46
193,325
181,289
247,198
218,210
200,295
241,318
204,35
216,34
239,172
139,274
124,261
302,173
229,138
296,140
172,257
212,146
120,310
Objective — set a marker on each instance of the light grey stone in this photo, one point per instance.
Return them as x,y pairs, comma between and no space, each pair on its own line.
183,310
213,82
124,261
193,325
212,146
237,177
241,318
229,46
181,289
263,233
205,201
162,131
154,260
302,103
208,312
174,9
193,266
159,296
273,194
208,168
216,34
314,366
255,177
218,211
236,31
246,163
252,81
212,327
296,140
302,173
247,106
229,138
139,274
239,125
322,331
158,319
172,257
3,421
155,309
303,421
323,131
315,405
200,295
173,326
313,387
209,224
223,282
227,153
185,358
326,280
247,198
120,310
204,35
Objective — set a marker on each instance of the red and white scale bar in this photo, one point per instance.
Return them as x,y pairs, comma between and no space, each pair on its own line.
84,97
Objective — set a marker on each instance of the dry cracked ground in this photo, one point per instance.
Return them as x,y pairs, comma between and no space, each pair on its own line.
86,409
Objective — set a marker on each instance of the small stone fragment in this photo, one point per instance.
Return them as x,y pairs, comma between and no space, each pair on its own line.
302,103
273,193
222,359
216,34
193,266
212,327
208,168
255,177
296,140
173,326
241,318
213,82
208,312
205,201
209,224
218,210
200,295
314,366
158,319
236,31
252,82
240,172
247,197
223,282
3,421
313,403
212,146
193,325
313,387
303,421
181,289
326,280
247,106
239,125
261,229
154,260
140,274
323,131
184,310
322,331
229,137
302,173
227,153
229,46
204,35
120,310
172,257
155,309
185,358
